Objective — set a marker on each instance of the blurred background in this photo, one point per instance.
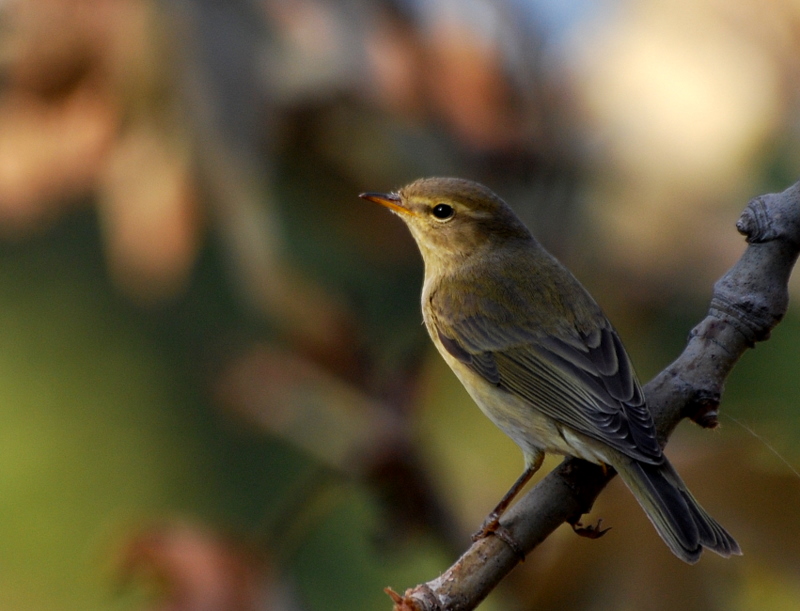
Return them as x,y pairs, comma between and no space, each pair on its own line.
215,390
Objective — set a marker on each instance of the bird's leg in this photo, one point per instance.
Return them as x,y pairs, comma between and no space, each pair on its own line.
491,525
593,531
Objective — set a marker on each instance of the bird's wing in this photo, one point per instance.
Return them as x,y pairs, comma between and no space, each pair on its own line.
585,381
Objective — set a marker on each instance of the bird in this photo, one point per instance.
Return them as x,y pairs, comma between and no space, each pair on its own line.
538,356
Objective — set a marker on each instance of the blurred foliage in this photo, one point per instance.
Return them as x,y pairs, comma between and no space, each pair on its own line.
214,386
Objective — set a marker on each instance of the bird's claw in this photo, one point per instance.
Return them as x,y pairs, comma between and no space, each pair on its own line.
593,531
492,526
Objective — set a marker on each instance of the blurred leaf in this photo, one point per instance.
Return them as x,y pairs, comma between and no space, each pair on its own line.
200,571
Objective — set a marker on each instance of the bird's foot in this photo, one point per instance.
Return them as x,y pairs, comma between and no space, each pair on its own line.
491,526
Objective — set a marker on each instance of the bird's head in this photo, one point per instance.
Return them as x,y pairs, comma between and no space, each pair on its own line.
452,218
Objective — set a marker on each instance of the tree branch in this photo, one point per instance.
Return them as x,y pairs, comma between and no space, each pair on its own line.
748,301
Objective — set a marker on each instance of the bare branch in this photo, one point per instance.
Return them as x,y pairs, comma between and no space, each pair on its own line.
748,301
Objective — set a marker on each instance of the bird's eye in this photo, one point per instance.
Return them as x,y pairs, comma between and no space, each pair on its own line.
443,212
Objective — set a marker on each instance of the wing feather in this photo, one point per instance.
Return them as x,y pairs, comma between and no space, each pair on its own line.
585,381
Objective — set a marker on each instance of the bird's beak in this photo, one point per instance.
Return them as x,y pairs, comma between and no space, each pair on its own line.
390,200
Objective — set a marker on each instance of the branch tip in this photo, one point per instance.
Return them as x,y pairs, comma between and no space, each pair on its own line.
425,599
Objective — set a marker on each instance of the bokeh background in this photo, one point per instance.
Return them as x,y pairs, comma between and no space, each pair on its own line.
215,390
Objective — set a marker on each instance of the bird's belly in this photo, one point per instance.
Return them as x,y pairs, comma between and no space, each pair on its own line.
527,426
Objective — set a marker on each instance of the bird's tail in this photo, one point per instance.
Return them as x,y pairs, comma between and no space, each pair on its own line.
680,520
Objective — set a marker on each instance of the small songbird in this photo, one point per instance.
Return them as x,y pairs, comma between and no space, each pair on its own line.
537,354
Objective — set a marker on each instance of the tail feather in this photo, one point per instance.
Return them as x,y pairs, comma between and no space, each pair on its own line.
679,519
